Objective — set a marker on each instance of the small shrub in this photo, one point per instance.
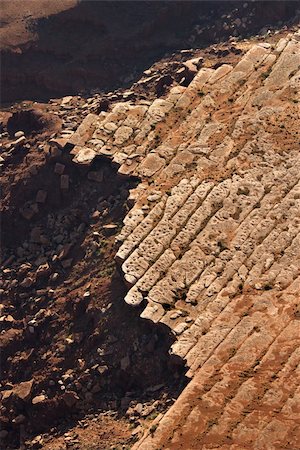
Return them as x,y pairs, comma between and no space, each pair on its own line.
153,428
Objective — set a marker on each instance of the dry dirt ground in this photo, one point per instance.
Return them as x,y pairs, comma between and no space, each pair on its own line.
64,325
16,15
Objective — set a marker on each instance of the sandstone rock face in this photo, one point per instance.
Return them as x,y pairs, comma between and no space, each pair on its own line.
212,243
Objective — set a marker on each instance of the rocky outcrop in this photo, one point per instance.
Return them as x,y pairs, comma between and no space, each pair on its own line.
211,245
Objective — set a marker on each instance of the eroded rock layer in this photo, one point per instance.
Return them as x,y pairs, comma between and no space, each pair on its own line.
211,245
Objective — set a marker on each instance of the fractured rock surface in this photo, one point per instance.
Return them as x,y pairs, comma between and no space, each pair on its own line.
211,245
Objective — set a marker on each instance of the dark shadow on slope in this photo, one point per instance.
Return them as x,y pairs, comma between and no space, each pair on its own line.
75,330
107,45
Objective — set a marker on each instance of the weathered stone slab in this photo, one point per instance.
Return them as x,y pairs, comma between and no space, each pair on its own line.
85,130
83,155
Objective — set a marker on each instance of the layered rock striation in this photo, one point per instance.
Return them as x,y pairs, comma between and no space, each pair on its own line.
211,244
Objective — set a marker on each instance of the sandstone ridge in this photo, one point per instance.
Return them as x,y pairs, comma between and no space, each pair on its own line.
211,245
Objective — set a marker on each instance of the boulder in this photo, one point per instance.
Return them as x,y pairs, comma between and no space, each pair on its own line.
19,134
83,155
23,390
58,143
43,270
38,399
84,131
70,398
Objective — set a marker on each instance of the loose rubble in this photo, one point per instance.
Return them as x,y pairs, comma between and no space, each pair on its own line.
214,255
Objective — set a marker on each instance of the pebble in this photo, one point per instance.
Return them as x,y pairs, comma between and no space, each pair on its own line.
102,369
38,399
54,276
59,168
19,134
